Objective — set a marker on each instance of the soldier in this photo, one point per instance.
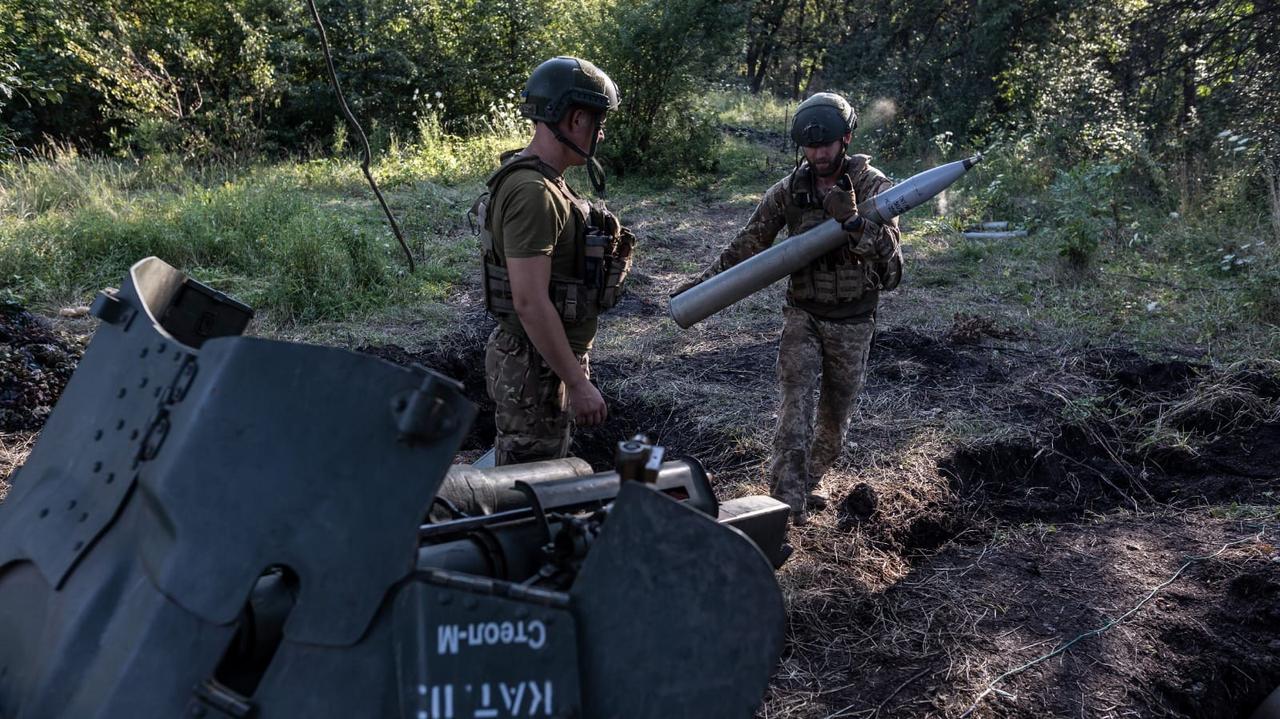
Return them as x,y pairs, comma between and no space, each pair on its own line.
552,263
829,317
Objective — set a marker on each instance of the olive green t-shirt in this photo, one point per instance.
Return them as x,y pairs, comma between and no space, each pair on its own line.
532,217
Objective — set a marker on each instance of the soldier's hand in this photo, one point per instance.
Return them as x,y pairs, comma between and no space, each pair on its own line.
686,285
587,404
841,204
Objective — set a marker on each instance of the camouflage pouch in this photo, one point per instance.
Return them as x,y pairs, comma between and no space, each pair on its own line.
614,245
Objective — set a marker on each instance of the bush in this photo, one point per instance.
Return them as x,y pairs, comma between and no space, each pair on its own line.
659,52
272,242
683,144
1082,201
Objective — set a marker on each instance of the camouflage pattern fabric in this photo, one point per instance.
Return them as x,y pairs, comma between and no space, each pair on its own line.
768,219
531,403
771,215
823,358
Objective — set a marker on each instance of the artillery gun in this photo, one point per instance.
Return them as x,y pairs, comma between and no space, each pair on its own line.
213,525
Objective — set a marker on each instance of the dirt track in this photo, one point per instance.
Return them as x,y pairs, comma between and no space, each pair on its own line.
1002,493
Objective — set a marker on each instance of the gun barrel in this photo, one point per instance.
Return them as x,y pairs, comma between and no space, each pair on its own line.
760,271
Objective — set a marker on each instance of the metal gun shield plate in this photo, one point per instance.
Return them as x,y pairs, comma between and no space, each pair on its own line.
666,601
470,647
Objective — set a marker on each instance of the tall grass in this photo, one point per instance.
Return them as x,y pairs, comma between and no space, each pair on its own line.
300,240
735,107
304,240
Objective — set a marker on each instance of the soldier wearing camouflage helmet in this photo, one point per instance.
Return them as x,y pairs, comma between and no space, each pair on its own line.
552,262
829,316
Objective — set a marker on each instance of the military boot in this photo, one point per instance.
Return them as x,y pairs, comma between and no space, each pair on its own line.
799,517
816,500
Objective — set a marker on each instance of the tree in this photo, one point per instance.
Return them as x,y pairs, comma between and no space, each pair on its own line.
659,52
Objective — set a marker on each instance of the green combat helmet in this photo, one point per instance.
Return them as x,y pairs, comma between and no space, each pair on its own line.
562,83
821,119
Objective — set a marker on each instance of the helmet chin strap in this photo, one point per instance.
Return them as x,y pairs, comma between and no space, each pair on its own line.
595,171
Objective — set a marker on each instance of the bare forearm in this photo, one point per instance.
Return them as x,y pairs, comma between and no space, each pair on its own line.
542,324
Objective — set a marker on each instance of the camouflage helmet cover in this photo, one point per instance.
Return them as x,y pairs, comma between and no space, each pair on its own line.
822,119
564,82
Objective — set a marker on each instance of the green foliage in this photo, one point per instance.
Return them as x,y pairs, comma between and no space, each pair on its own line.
300,242
227,80
659,52
1082,204
737,108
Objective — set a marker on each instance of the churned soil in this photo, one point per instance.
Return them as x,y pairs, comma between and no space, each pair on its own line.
1101,543
35,364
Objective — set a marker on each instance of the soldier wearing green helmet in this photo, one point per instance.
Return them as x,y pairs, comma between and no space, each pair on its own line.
552,263
829,316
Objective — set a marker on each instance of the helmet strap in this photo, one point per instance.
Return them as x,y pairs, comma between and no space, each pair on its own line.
595,171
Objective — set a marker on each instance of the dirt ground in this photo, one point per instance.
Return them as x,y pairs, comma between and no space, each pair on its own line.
1008,513
1024,523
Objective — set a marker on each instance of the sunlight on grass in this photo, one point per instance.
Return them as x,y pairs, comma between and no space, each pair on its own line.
301,241
304,241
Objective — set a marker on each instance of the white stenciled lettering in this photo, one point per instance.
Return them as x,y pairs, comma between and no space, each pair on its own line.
450,638
488,700
536,627
540,695
441,702
447,639
485,712
512,697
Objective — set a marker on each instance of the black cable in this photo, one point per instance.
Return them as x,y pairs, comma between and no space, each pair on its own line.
346,111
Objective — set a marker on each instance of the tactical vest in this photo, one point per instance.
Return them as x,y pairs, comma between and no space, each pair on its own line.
601,244
840,276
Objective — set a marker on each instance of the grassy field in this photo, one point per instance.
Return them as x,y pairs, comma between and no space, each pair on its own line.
305,243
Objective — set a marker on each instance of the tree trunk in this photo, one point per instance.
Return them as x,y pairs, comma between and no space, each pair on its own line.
1271,173
762,30
798,50
1186,116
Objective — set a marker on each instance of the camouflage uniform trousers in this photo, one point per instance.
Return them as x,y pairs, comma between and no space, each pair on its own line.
814,357
531,403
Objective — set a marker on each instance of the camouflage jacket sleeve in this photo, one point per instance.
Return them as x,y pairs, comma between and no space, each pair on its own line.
884,241
758,234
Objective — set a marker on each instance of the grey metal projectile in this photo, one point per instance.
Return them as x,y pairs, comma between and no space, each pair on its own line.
756,273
